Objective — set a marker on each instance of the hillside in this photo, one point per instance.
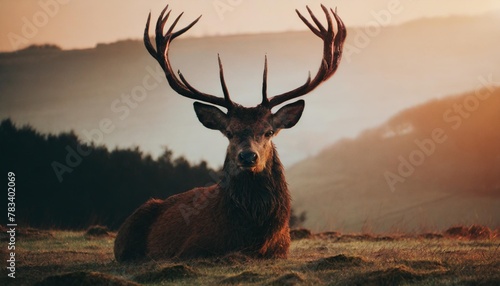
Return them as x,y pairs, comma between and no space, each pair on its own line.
428,167
57,90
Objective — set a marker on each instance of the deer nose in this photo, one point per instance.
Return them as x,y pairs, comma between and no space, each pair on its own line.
248,158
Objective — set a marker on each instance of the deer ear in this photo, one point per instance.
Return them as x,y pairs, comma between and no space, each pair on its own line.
288,115
210,116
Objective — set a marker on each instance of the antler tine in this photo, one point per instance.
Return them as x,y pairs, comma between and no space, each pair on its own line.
341,33
265,100
161,21
311,27
332,53
147,40
179,84
222,81
316,21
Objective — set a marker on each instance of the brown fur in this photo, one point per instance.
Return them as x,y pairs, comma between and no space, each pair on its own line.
221,219
247,211
130,242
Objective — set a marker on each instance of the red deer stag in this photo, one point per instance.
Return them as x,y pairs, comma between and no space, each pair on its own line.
248,211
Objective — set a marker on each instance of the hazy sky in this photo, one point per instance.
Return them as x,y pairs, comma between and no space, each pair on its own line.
83,23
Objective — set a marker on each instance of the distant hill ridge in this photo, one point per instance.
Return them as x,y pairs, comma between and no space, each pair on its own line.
451,20
430,157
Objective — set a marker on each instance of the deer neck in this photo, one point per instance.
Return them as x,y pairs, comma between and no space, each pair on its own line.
257,198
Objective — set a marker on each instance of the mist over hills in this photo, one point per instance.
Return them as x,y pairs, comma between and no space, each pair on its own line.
428,167
55,90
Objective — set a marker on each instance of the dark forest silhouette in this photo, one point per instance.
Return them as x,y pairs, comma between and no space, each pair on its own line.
104,188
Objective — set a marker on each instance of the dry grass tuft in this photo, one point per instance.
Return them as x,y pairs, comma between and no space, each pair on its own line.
357,237
85,278
483,282
473,232
288,280
456,231
169,273
425,265
243,277
300,233
26,233
235,258
97,231
392,276
337,262
431,235
328,234
479,232
412,272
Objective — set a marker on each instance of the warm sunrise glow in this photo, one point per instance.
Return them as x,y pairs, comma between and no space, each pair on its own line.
78,24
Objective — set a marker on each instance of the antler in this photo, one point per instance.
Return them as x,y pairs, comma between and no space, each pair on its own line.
181,86
332,53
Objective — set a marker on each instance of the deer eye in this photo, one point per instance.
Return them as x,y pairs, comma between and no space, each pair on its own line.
269,133
228,134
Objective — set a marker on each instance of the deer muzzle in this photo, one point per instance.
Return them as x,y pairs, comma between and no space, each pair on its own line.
247,159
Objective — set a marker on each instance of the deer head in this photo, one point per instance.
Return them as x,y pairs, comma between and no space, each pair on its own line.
249,130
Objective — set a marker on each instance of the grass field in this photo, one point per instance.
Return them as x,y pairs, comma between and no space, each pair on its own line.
458,257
